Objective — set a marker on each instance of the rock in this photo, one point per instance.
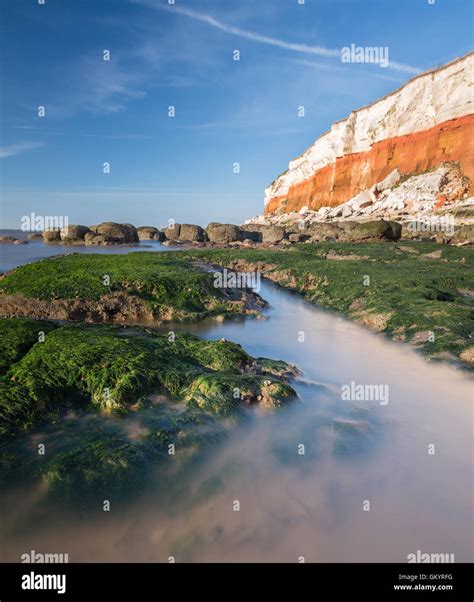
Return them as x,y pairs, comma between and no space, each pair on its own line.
324,212
252,232
35,236
273,234
172,232
462,235
91,238
117,233
324,232
346,211
11,240
361,201
393,179
335,212
396,230
367,232
150,233
223,233
73,233
295,237
51,236
190,232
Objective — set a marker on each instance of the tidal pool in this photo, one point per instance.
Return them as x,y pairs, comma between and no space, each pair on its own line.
325,479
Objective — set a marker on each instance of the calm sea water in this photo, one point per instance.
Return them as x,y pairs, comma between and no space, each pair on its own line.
292,505
11,256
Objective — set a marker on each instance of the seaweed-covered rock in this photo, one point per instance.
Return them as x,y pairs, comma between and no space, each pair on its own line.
367,232
112,370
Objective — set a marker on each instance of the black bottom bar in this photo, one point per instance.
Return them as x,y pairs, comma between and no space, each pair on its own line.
208,582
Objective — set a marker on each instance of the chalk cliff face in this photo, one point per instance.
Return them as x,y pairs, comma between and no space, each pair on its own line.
426,122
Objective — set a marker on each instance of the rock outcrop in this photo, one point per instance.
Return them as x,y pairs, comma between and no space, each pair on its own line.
427,122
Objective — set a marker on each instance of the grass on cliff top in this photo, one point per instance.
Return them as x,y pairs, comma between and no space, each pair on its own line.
107,368
159,278
417,287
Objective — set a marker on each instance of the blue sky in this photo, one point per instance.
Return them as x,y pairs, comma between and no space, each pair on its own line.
227,111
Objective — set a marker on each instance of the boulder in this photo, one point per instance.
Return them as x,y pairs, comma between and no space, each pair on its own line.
367,232
92,238
193,233
149,233
11,240
273,234
360,201
117,233
462,235
51,236
73,233
252,232
223,233
295,237
393,179
35,236
324,232
172,232
396,230
264,233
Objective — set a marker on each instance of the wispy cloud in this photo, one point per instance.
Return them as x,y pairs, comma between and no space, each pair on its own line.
17,149
237,31
259,38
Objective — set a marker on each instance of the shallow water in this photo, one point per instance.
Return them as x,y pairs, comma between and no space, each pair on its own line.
11,256
294,505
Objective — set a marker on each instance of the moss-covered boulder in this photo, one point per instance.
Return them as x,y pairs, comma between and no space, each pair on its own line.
110,369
